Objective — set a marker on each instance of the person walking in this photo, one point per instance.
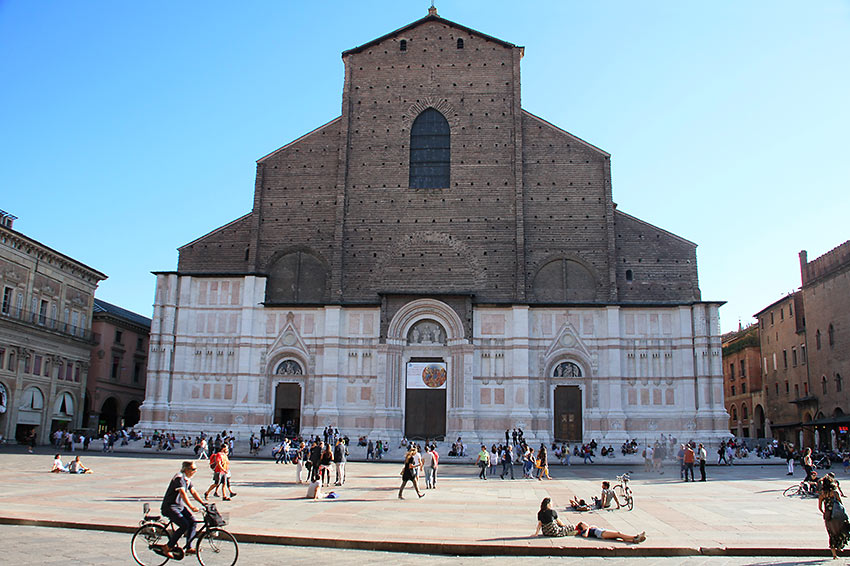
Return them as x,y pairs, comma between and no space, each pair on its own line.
834,515
703,456
507,461
688,462
789,457
483,461
721,453
408,473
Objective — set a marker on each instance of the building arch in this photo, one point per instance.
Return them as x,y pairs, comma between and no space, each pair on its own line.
758,415
564,279
423,309
132,413
109,415
297,275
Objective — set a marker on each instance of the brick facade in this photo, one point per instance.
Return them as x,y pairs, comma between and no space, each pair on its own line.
525,236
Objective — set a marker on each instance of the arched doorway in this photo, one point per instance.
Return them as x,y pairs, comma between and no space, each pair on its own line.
808,432
108,416
287,407
425,382
566,410
760,422
132,415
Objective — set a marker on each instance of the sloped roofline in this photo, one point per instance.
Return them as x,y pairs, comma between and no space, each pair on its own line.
219,229
310,133
578,139
654,227
429,18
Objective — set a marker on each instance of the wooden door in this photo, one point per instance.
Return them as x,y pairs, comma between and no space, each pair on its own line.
568,413
425,414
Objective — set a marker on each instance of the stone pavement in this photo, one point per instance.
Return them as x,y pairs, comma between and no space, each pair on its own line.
740,511
40,546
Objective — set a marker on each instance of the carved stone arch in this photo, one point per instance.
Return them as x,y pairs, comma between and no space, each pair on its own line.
297,274
275,359
441,105
564,277
575,357
422,309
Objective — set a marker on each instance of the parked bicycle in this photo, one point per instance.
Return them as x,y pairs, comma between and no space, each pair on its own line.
624,492
214,545
803,489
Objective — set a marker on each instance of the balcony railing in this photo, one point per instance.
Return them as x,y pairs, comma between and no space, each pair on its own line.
43,321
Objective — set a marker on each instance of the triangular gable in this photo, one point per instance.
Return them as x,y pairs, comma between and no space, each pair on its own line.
426,19
567,340
289,340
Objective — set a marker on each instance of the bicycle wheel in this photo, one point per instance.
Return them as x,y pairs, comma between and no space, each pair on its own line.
618,491
144,539
630,502
792,491
217,547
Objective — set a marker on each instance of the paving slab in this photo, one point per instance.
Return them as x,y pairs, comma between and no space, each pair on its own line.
739,511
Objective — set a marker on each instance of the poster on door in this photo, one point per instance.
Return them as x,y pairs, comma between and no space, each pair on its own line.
426,375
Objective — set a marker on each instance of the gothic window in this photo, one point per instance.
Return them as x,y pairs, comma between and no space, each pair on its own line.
734,413
817,339
564,280
426,332
744,412
297,277
459,43
567,369
289,367
430,151
831,333
403,45
838,384
823,384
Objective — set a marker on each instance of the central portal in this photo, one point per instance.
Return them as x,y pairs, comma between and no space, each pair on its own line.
568,413
425,401
287,407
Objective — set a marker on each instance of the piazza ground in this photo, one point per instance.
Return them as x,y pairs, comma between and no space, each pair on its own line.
740,511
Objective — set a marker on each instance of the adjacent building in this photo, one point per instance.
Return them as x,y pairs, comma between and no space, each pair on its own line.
437,262
45,335
743,391
826,295
116,385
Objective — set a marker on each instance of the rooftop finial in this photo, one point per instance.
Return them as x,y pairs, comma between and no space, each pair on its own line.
432,11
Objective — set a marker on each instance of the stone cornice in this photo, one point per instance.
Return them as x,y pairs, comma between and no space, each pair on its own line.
16,240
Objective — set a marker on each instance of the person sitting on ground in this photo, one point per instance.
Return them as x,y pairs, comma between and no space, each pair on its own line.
549,523
585,530
607,495
77,467
580,505
314,489
58,466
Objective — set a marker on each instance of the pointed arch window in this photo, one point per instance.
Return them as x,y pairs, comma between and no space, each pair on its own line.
430,151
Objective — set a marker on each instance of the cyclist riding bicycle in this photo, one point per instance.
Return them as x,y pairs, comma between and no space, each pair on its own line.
174,506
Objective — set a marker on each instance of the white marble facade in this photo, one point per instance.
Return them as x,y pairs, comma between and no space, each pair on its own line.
217,355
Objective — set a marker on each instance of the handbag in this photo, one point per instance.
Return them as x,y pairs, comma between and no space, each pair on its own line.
838,511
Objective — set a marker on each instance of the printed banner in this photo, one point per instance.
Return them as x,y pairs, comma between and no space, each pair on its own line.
426,375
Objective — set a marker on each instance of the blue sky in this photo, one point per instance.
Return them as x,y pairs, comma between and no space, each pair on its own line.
128,129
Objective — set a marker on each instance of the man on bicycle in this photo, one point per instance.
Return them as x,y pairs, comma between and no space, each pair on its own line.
174,506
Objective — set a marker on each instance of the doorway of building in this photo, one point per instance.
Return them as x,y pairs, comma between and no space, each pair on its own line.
568,426
287,407
108,416
425,399
425,414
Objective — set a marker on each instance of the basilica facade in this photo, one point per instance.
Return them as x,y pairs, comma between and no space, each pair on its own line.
436,262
